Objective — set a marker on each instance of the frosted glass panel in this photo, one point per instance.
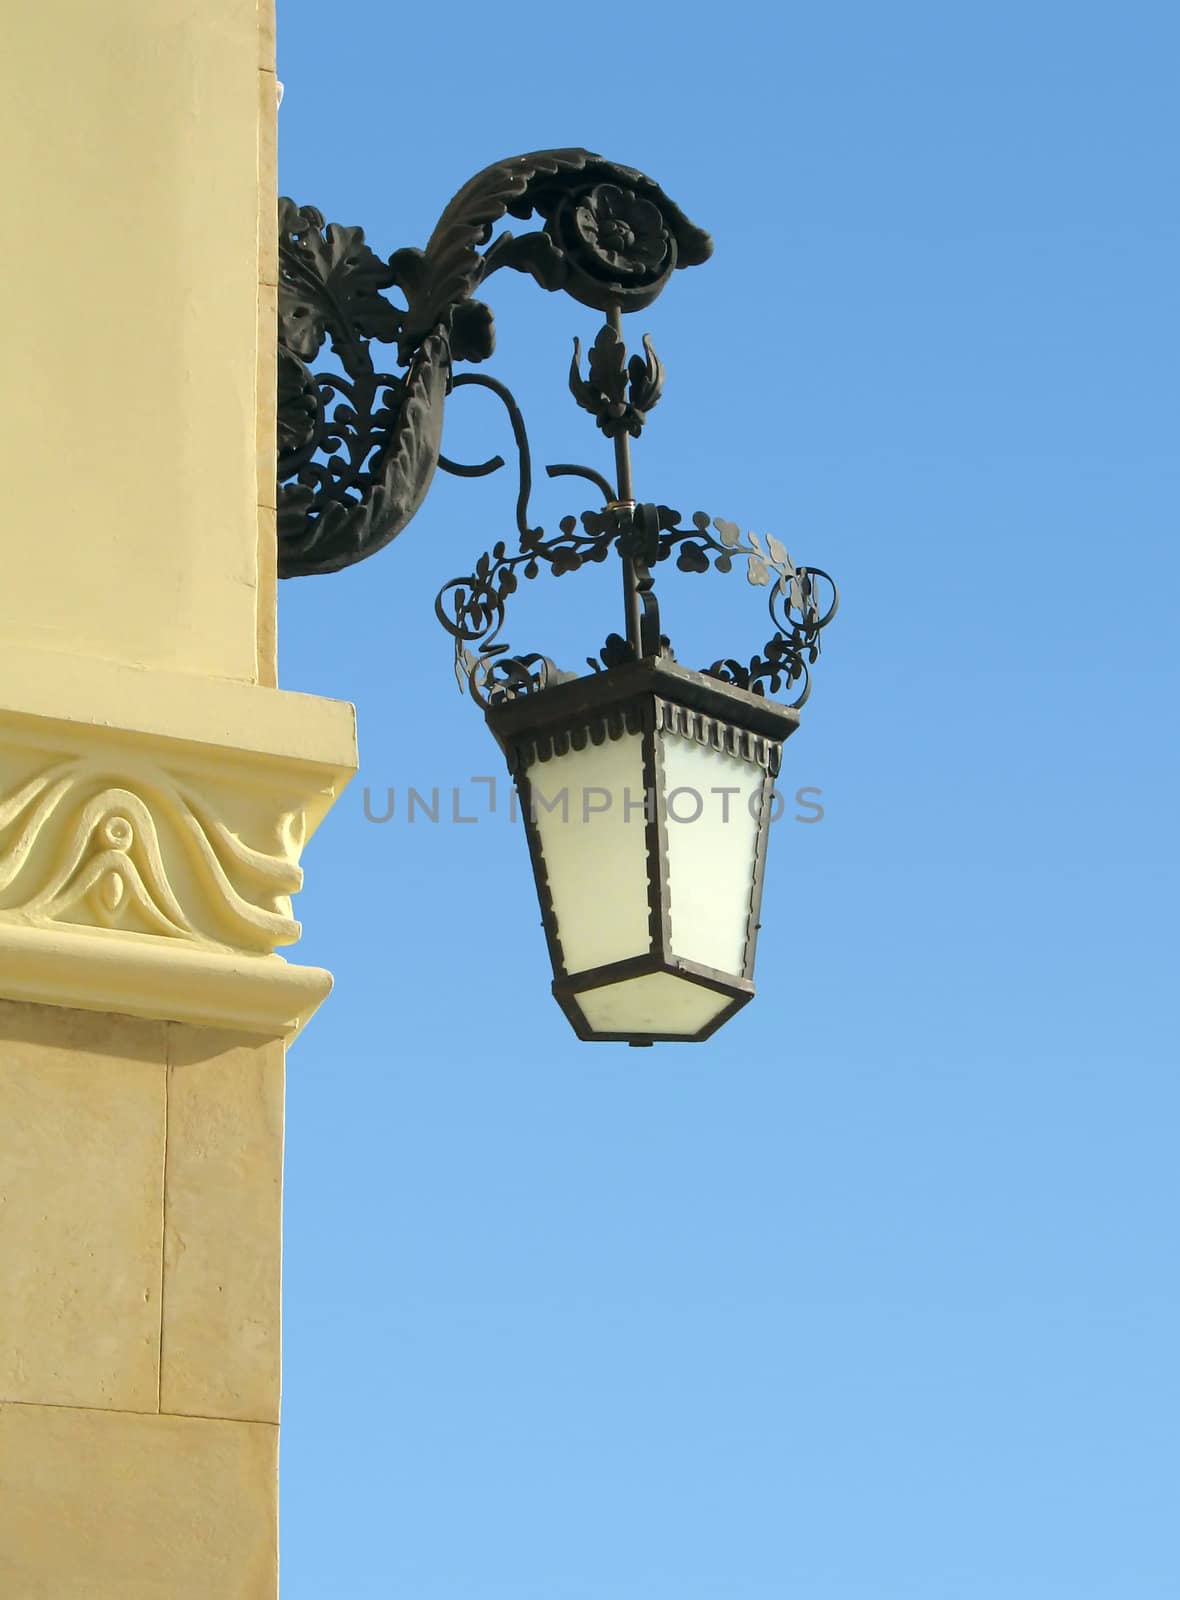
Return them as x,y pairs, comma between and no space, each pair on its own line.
710,858
589,810
655,1003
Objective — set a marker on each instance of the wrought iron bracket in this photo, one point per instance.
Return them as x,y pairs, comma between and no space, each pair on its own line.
358,448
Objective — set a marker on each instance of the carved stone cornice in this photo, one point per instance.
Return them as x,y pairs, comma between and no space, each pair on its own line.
151,828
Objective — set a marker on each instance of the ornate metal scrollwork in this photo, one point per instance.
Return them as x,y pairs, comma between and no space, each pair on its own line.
802,601
358,450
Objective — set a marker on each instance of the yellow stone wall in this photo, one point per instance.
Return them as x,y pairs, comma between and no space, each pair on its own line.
138,140
140,1175
156,795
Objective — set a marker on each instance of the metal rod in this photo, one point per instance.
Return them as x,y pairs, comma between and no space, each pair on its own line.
567,469
632,605
614,318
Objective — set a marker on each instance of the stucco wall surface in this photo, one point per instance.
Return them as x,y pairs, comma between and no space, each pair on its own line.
138,226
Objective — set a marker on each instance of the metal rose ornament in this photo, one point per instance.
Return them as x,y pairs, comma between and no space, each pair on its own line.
647,788
625,233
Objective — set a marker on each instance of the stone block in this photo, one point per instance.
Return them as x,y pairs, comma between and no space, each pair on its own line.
82,1127
100,1505
223,1226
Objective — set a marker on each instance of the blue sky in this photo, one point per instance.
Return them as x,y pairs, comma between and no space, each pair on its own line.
875,1296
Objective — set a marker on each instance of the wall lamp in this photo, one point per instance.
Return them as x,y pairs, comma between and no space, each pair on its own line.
646,788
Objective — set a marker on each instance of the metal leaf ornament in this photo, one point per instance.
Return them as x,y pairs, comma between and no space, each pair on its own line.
617,393
332,286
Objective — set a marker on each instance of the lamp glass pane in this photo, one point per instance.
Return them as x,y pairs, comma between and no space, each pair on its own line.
589,810
655,1003
712,850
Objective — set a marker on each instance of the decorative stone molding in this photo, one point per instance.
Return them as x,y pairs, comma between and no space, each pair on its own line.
151,828
76,846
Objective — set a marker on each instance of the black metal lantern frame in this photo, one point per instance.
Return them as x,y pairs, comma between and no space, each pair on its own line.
646,699
357,452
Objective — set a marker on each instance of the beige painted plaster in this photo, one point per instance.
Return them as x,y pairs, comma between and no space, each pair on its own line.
101,1505
223,1226
135,160
268,277
82,1129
